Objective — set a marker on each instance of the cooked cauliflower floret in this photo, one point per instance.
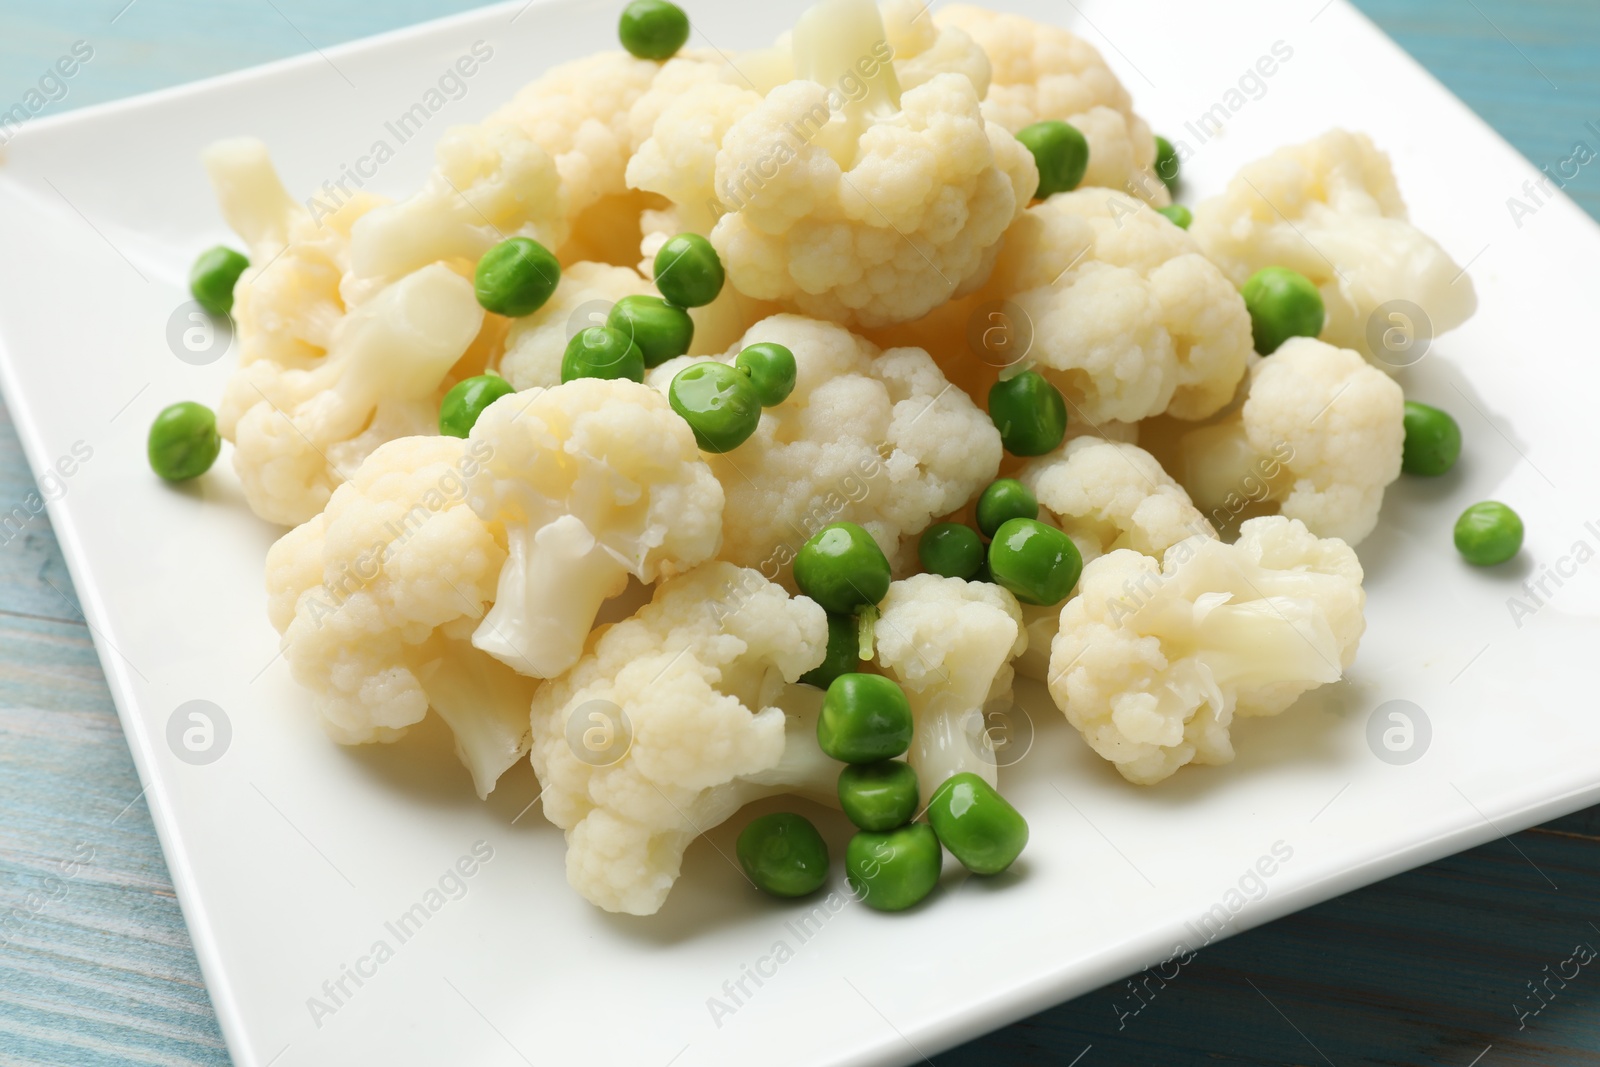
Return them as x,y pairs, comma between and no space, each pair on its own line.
535,343
864,208
594,480
950,643
870,437
1045,72
1105,495
1321,433
1127,317
924,47
377,598
298,431
687,700
1331,210
488,183
1108,495
1154,660
578,114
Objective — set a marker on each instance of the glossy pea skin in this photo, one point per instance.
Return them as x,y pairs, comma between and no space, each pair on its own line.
878,796
653,29
1029,412
183,442
459,411
977,824
212,278
951,550
893,870
842,568
688,271
1061,153
771,369
783,854
1038,564
661,330
719,404
1178,215
516,277
1282,304
1433,440
601,352
1005,499
843,655
1488,533
1168,167
865,718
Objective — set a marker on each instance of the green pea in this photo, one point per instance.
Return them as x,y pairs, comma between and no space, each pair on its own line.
1004,500
1488,533
1029,412
1039,564
1178,215
783,854
183,441
771,369
843,655
516,277
661,330
1282,304
1061,152
653,29
465,401
688,271
601,352
842,568
865,718
951,550
878,796
212,278
719,404
977,824
893,870
1433,440
1168,167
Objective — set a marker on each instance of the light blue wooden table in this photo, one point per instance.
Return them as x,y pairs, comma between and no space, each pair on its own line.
95,963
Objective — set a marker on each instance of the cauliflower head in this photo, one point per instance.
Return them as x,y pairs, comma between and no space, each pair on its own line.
852,201
1320,436
488,183
578,114
535,343
1128,318
288,302
877,438
1107,495
1154,659
1044,72
925,48
377,598
950,643
1331,210
594,480
673,720
300,428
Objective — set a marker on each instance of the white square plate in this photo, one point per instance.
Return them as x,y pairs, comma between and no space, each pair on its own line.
291,855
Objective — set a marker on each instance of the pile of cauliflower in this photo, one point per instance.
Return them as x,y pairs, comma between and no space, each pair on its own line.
576,583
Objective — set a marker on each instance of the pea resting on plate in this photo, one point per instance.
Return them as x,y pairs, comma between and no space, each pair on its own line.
783,854
1488,533
183,441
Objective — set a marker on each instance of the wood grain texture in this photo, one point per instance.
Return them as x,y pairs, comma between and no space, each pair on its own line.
1426,968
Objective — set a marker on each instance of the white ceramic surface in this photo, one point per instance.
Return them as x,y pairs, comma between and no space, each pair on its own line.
290,854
